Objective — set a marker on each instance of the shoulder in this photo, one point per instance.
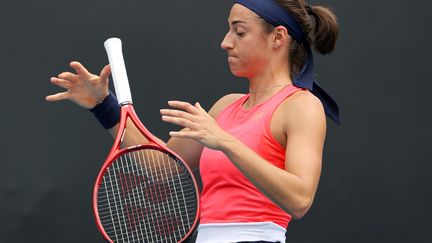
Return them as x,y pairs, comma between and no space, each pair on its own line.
303,99
302,110
222,103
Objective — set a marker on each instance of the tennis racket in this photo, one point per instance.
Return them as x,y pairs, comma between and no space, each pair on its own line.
143,193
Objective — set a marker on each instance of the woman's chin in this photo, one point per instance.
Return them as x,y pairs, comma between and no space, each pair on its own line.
238,73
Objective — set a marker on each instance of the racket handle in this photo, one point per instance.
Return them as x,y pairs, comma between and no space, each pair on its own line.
113,47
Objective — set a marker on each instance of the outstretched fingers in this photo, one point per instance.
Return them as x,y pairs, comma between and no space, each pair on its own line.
179,121
68,76
79,68
177,113
184,106
57,97
61,82
186,134
199,125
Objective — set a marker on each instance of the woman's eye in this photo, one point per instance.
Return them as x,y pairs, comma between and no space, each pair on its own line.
240,33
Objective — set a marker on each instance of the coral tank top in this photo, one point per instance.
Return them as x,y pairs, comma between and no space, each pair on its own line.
227,195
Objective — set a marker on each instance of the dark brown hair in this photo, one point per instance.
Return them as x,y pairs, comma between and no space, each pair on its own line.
319,25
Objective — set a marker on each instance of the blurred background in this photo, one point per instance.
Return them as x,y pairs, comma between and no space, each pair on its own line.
376,178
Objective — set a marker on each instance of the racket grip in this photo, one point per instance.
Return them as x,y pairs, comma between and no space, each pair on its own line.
113,47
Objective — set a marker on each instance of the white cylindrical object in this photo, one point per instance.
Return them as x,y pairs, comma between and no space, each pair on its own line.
113,47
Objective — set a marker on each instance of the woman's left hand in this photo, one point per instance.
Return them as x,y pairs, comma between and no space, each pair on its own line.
199,125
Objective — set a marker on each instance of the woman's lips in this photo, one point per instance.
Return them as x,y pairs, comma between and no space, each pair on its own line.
231,57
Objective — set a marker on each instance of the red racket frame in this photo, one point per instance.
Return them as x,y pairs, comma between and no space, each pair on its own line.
127,111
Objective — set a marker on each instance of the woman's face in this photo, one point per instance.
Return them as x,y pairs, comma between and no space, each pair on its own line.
247,44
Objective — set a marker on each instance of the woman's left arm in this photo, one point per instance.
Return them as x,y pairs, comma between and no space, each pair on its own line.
293,189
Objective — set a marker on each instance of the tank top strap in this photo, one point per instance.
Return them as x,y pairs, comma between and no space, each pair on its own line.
279,97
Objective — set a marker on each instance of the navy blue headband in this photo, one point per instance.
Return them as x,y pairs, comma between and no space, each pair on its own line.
271,11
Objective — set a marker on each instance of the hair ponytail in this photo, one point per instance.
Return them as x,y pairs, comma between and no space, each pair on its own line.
325,32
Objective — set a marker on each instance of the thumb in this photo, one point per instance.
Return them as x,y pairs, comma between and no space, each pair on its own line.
104,74
198,105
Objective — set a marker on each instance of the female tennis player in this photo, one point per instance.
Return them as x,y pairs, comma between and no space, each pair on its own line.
259,154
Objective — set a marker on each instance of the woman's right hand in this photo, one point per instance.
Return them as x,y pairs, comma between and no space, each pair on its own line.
84,88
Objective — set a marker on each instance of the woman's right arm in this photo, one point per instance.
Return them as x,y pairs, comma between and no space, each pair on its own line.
188,149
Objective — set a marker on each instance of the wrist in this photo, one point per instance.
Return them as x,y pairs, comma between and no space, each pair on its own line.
228,143
101,100
107,112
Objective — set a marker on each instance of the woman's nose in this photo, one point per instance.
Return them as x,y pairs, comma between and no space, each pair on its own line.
227,42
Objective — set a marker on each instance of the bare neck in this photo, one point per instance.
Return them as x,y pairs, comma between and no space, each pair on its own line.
266,84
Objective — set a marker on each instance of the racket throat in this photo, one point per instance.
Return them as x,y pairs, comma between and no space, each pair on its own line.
125,103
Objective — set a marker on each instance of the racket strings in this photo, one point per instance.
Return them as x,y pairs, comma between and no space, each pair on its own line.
146,195
129,217
156,216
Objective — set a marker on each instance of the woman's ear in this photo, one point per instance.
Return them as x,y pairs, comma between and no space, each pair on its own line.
280,37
